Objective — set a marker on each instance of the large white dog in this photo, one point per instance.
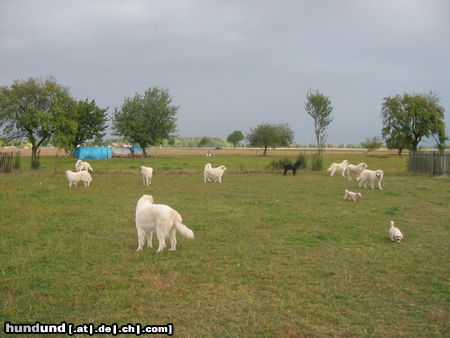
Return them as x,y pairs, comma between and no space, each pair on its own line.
147,174
372,176
355,170
213,174
339,167
81,176
80,166
160,218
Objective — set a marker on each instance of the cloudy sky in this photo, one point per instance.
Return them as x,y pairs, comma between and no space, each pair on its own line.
234,64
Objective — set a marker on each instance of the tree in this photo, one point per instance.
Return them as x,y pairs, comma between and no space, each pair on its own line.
235,137
372,144
91,122
204,141
39,110
408,119
147,119
318,106
270,136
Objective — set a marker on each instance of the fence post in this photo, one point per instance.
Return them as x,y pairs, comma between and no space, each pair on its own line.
433,155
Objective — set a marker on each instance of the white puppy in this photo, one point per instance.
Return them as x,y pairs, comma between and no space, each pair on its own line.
372,176
213,174
355,170
160,218
147,174
80,165
394,233
339,167
81,176
350,195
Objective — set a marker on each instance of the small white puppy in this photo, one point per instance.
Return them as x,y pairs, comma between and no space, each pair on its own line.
160,218
394,233
211,174
80,166
350,195
147,174
81,176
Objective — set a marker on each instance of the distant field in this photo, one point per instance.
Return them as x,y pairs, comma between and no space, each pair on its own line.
273,255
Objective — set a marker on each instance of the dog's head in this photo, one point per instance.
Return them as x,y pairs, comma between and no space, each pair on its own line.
223,167
358,195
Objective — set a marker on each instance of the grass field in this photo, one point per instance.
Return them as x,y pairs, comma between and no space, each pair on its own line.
273,255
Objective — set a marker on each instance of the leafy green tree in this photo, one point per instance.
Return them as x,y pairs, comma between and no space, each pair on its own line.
235,137
318,106
268,135
146,119
372,144
204,141
39,110
92,122
408,119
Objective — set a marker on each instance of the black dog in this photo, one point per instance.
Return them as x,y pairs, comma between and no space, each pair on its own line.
290,166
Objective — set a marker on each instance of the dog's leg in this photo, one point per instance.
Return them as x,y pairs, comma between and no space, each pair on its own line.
294,171
173,239
161,233
141,239
150,239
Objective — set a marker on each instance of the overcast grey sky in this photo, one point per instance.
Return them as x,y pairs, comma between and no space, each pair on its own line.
234,64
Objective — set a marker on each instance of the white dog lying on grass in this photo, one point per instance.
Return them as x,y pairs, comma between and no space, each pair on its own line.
80,166
160,218
213,174
350,195
81,176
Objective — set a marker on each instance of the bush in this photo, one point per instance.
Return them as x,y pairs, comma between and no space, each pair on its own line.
317,162
303,161
16,161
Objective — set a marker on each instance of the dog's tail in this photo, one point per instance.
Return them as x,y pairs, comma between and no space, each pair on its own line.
184,230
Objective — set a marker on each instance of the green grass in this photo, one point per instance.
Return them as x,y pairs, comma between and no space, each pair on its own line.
273,255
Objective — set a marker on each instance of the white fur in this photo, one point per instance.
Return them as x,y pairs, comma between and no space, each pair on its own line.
147,174
372,176
81,176
160,218
355,170
350,195
80,166
339,167
213,174
394,233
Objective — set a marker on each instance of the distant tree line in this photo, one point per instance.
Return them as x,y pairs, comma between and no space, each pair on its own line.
41,111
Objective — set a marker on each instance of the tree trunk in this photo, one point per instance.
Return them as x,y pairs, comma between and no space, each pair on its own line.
34,157
265,151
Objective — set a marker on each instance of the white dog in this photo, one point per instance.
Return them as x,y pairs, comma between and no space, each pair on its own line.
339,167
355,170
147,174
394,233
213,174
372,176
160,218
80,165
350,195
81,176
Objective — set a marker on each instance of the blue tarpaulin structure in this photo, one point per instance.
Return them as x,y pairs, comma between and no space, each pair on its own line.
95,153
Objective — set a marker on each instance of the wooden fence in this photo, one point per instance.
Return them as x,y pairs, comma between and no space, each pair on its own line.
6,161
429,162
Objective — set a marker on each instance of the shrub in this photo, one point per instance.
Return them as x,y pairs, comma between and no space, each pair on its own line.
317,162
